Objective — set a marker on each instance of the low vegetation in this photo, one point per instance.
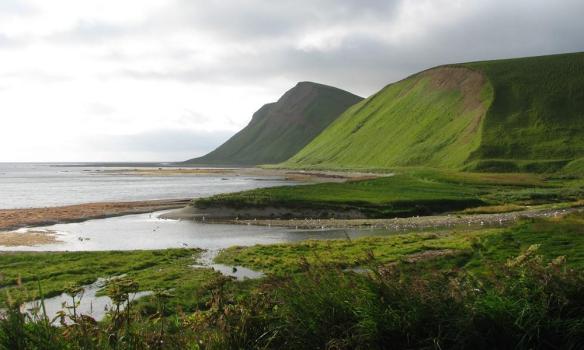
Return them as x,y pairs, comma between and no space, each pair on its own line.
520,287
21,272
407,193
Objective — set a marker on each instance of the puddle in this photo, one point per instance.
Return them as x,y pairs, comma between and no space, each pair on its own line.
90,303
239,272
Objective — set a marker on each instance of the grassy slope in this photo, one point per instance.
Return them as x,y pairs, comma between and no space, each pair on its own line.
279,130
537,113
534,120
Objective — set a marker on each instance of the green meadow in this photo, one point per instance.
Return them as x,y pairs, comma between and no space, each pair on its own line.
410,191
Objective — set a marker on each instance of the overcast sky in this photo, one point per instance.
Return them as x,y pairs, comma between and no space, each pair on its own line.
165,80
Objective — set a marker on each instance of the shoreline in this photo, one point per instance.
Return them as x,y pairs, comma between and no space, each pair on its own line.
314,176
14,219
395,224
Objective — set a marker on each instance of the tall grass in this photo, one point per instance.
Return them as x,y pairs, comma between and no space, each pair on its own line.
527,303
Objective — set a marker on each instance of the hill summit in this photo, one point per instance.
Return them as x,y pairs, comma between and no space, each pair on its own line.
279,130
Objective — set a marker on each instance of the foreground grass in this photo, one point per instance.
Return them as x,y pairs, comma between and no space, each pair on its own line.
21,272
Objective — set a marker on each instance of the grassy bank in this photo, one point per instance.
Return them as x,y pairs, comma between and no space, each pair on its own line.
409,192
556,237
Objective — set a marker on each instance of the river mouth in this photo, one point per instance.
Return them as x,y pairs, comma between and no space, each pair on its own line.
149,232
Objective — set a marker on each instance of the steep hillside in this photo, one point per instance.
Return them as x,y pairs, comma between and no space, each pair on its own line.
279,130
508,115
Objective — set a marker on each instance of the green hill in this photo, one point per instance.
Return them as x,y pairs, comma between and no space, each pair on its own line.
278,130
523,114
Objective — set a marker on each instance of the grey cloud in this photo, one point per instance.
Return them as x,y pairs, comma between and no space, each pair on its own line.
365,62
255,20
91,32
361,63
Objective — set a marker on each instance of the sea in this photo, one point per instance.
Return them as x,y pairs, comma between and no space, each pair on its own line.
36,185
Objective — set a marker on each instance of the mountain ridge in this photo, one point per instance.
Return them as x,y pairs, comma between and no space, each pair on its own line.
280,129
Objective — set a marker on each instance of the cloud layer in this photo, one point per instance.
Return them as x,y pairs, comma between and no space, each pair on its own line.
78,77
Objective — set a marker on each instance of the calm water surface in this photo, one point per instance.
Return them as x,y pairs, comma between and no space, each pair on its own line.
28,185
148,231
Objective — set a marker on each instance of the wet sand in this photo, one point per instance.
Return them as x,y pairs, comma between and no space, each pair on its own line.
12,219
292,175
29,238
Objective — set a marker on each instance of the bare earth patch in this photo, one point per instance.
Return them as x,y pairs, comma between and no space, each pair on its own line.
29,238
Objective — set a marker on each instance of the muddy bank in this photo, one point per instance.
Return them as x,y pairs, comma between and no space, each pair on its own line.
12,219
29,238
355,219
412,223
224,214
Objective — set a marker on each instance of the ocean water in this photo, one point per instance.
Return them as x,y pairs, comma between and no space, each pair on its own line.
33,185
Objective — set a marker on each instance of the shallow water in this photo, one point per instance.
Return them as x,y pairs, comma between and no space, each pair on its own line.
148,231
30,185
89,304
239,272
